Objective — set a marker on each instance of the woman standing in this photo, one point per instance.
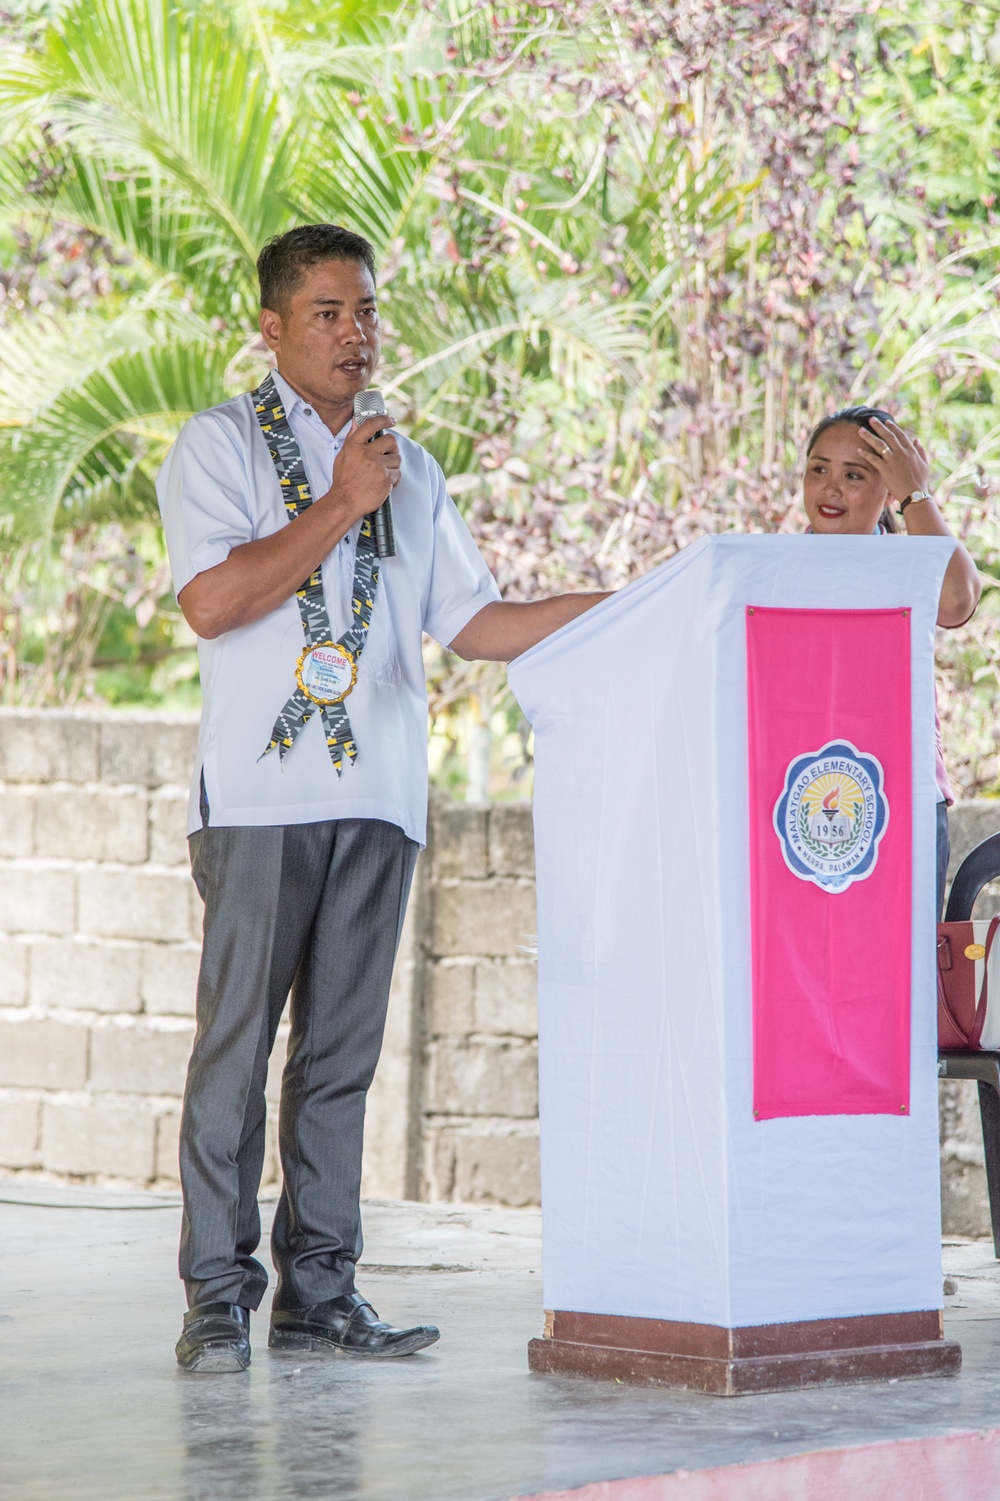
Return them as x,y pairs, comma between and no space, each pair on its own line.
858,461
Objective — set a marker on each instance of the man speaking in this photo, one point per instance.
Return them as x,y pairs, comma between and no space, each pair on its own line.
308,801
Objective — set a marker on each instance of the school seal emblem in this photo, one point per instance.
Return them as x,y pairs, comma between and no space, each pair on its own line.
831,815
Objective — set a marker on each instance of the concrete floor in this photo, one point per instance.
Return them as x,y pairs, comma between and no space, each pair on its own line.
92,1406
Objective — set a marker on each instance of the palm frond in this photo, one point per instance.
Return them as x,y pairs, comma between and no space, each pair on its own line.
365,180
181,105
90,438
43,356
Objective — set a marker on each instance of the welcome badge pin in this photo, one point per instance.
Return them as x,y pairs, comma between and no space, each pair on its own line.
831,815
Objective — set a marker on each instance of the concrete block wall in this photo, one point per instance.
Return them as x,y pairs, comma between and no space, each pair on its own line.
99,940
479,1110
99,934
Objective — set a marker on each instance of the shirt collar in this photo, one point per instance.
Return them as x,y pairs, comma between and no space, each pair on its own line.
292,401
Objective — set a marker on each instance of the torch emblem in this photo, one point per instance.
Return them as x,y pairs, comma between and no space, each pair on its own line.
831,815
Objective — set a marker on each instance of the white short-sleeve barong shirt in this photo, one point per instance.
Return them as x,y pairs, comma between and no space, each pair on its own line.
217,489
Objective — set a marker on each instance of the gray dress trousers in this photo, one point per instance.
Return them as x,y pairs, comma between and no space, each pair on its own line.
315,909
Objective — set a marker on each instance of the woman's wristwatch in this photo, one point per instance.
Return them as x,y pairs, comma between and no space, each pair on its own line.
912,499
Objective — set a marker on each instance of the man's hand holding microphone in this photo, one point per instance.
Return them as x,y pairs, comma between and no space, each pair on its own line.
259,576
368,469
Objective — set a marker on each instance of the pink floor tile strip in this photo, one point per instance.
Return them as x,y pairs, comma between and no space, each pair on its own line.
957,1467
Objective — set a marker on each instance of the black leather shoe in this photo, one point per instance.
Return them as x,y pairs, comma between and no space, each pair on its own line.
215,1338
348,1324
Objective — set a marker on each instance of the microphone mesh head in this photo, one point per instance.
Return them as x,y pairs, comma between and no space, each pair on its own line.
369,404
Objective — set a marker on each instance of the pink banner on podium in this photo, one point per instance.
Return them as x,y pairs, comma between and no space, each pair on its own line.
830,860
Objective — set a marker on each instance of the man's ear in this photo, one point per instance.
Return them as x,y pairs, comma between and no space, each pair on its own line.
270,328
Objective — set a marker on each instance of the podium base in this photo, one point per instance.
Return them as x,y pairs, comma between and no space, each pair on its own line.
740,1362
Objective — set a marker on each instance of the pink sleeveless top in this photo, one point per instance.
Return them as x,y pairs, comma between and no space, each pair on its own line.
940,770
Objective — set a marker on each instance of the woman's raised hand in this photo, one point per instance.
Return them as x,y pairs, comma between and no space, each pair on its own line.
904,466
901,460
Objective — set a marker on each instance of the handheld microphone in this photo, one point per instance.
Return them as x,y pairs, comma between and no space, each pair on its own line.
371,404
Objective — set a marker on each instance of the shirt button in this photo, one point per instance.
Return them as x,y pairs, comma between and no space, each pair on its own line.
308,411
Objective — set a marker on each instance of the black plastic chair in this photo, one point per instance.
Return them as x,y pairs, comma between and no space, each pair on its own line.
976,871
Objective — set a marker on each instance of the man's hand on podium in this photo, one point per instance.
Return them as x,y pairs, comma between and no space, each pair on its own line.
502,631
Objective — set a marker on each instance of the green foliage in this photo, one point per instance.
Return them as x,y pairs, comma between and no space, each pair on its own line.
630,253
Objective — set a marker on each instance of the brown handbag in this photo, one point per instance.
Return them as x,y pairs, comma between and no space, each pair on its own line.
963,972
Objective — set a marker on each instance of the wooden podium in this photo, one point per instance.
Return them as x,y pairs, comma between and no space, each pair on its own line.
686,1241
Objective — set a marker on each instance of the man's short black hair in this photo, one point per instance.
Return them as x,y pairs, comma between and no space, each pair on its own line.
286,258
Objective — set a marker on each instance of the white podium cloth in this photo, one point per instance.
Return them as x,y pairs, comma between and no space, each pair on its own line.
662,1196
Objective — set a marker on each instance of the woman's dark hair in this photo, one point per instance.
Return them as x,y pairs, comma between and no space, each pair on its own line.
858,417
286,258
